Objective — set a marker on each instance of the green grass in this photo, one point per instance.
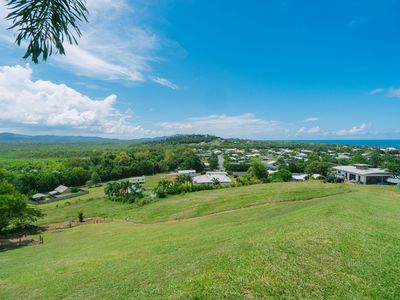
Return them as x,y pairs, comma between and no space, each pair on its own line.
291,241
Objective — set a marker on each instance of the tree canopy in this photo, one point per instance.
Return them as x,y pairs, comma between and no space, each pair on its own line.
14,209
46,24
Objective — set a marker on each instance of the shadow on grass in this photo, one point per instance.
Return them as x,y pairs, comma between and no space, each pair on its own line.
17,238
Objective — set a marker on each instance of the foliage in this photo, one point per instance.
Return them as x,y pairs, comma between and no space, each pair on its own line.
358,159
123,191
14,208
81,217
213,161
281,176
318,167
46,24
258,170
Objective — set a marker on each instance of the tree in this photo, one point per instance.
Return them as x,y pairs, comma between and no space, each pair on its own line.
14,209
281,176
46,24
258,170
95,178
318,167
213,161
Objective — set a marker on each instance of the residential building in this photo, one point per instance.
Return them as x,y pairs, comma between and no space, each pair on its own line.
362,173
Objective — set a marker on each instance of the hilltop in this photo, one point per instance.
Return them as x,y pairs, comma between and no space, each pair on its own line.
284,240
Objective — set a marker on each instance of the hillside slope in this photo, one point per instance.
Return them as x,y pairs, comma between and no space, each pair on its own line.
265,241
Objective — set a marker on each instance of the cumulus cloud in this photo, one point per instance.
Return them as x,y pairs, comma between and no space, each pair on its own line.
311,119
244,125
43,104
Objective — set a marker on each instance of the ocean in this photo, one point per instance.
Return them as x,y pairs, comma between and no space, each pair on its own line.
377,143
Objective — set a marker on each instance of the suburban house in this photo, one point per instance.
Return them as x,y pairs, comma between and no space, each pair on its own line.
210,177
186,172
362,173
137,180
299,177
271,164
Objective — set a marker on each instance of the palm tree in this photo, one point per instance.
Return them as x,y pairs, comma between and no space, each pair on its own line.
46,24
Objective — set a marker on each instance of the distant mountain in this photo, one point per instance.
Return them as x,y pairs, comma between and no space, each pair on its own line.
7,137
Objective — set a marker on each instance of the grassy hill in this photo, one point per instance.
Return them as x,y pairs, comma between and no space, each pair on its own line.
289,240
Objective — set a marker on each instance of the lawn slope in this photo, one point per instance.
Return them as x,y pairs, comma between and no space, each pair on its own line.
266,241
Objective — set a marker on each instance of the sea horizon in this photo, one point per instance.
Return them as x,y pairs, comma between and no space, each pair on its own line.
365,142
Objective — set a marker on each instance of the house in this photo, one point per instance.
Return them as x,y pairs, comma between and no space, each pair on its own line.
186,172
299,177
210,177
38,197
62,189
362,173
53,193
271,164
137,180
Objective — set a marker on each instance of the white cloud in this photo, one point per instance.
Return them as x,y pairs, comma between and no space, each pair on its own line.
377,91
35,105
355,130
311,119
391,92
244,125
308,131
164,82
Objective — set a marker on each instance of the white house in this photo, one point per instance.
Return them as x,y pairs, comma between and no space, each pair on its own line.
210,177
299,177
362,173
137,180
186,172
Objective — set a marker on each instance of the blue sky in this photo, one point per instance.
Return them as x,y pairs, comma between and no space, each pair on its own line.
258,69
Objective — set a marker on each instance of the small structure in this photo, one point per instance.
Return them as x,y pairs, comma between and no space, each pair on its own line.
62,189
38,197
53,193
299,177
271,164
362,173
186,172
210,177
137,180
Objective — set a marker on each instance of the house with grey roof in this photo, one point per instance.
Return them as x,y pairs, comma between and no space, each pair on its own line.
362,173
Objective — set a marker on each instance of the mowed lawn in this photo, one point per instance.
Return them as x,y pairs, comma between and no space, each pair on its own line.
289,240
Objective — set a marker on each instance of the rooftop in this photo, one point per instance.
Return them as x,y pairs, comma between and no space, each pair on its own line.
358,171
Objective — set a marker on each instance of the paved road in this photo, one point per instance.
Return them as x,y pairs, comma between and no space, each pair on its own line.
221,162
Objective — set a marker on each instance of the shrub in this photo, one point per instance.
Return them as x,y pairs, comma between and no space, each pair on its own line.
74,190
81,217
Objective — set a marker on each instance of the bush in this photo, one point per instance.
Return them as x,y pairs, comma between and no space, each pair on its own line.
81,216
160,193
74,190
